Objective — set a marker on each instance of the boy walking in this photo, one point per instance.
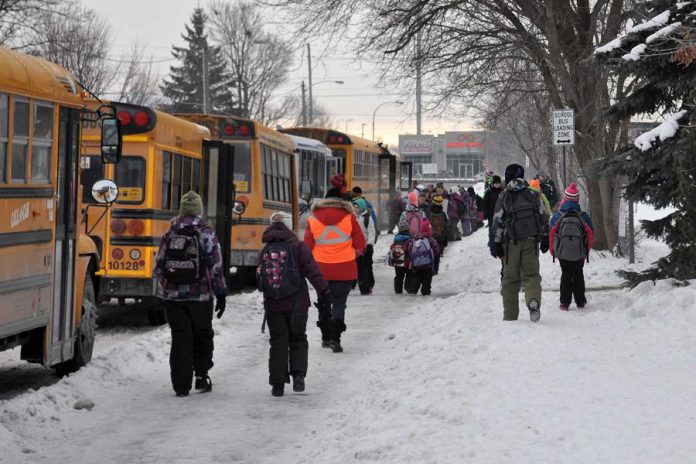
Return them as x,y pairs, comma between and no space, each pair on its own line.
422,251
284,264
398,258
570,240
188,267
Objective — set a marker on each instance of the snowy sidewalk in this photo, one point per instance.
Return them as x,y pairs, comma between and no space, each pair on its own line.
437,379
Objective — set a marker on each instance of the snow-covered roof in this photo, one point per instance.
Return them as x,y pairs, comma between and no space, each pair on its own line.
309,144
664,131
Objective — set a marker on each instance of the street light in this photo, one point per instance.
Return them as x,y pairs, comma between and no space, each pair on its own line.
347,121
397,102
311,105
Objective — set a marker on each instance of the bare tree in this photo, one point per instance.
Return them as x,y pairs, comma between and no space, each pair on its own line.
460,45
78,39
139,84
18,16
259,62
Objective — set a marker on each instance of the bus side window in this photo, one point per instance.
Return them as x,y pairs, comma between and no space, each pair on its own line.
91,170
41,144
4,136
176,181
20,141
196,176
166,180
186,175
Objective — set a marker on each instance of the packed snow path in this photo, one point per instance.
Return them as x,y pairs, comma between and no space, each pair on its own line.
439,379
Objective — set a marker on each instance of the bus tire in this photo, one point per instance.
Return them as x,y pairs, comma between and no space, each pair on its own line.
156,316
84,338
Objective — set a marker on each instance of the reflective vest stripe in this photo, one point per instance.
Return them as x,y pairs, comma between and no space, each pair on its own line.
340,238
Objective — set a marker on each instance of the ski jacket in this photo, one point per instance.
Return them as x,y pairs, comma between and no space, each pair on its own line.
212,281
369,230
490,197
501,217
453,206
567,206
333,235
278,232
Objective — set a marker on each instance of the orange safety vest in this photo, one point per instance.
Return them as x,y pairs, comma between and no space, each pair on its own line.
332,243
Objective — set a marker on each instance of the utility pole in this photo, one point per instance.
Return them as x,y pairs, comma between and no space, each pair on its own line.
309,64
206,87
362,134
418,85
304,106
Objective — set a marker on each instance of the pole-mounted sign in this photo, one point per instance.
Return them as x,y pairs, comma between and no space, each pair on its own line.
564,127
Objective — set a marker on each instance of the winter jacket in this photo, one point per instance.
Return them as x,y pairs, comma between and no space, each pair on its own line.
278,232
490,197
549,189
403,221
567,206
470,203
453,206
545,200
404,238
330,212
500,216
212,282
369,230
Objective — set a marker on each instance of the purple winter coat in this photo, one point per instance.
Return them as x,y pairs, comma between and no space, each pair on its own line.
453,206
278,232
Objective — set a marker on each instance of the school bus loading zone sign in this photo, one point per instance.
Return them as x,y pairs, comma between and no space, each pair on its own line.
564,127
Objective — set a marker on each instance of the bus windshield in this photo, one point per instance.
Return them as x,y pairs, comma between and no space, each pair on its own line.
242,166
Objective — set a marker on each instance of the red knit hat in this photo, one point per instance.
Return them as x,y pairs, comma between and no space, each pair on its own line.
572,193
338,180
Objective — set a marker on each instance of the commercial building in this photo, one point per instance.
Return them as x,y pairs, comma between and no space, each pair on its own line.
460,154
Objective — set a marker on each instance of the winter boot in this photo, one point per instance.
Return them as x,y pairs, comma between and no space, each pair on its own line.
335,343
278,389
563,307
203,383
182,394
534,310
298,385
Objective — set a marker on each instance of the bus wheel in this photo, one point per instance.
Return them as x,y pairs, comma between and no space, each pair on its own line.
156,316
84,339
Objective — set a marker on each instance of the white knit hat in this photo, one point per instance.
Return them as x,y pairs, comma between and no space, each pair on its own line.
280,216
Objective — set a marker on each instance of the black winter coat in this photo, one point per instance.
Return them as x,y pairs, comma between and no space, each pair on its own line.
278,232
490,198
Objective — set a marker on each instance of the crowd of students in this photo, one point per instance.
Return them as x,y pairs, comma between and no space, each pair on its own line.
336,255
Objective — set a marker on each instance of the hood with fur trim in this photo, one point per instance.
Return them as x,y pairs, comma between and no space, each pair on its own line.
331,211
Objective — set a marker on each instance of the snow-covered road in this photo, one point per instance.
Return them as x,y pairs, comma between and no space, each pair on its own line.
437,379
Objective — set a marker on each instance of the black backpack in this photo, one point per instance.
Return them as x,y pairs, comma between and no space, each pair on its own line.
570,241
278,274
182,256
522,214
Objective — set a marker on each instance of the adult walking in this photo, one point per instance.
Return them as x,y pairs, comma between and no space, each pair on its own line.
396,207
490,198
284,264
570,240
521,228
334,237
188,267
548,188
456,209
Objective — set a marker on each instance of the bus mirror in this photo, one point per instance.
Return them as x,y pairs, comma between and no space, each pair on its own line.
111,140
105,191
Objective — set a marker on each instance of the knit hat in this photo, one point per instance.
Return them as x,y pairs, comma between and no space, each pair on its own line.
362,206
437,200
334,193
534,183
338,180
571,193
283,218
191,204
513,171
420,187
413,198
496,178
454,190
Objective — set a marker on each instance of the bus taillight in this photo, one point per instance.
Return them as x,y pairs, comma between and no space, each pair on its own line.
332,139
117,253
142,119
228,129
118,226
244,130
136,226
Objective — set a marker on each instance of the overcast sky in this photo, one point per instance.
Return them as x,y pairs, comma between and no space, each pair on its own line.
159,23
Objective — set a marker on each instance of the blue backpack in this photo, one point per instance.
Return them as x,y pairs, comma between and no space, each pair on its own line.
421,254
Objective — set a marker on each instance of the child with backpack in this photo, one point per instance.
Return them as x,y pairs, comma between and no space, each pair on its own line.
570,240
438,223
188,268
421,252
412,216
366,277
284,264
398,258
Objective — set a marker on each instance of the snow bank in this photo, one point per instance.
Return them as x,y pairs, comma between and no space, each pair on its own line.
664,131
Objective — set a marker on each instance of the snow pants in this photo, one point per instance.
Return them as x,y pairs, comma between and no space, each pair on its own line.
366,276
331,330
453,230
191,323
400,275
288,338
467,226
419,279
572,282
520,266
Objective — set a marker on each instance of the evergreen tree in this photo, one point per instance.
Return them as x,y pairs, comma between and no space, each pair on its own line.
184,86
660,54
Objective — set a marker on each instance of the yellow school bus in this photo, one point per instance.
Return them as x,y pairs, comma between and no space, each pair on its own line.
48,265
264,179
365,164
162,159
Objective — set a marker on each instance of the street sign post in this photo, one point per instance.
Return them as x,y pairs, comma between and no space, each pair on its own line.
564,133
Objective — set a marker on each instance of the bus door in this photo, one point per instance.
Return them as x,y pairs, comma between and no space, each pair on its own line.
219,195
332,165
386,187
406,177
65,222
